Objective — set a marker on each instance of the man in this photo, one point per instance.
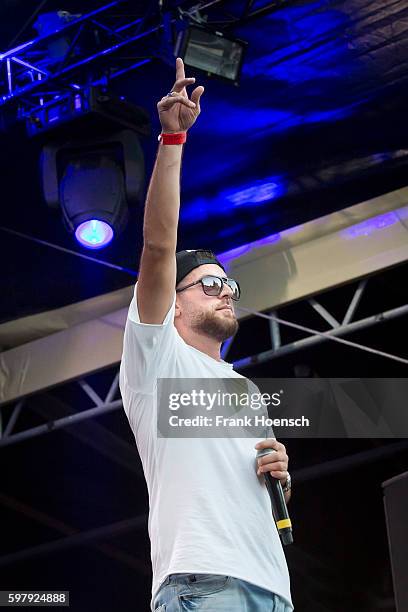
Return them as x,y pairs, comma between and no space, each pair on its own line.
214,545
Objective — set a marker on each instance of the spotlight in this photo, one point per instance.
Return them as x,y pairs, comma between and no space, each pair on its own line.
94,234
92,163
93,181
211,52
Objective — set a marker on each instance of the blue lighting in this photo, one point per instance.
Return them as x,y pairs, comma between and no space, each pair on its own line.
365,228
94,234
228,256
370,226
246,195
260,192
310,44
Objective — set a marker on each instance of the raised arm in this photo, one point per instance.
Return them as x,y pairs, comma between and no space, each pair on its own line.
157,274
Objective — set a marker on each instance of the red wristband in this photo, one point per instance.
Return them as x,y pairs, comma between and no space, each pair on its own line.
173,139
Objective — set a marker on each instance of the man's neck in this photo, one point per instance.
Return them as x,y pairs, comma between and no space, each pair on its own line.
202,343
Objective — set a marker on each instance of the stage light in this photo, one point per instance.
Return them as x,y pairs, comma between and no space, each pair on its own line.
94,234
211,52
92,163
92,194
93,182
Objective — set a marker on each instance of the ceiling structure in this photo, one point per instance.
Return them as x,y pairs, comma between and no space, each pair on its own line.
316,125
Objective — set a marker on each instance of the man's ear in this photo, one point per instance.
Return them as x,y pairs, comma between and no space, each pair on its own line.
178,309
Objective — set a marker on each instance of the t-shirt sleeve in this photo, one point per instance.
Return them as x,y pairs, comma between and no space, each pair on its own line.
147,348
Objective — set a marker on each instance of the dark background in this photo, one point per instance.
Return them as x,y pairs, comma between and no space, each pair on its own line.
318,123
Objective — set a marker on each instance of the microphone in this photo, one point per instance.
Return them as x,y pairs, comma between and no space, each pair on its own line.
279,508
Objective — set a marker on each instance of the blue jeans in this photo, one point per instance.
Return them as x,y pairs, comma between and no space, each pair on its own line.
215,593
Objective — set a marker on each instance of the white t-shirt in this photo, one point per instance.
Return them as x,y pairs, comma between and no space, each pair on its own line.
209,512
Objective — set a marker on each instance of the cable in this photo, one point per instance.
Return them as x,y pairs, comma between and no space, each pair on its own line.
71,252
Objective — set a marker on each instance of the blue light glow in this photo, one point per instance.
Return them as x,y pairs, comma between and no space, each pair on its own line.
255,124
228,256
310,43
253,193
365,228
262,192
94,234
370,226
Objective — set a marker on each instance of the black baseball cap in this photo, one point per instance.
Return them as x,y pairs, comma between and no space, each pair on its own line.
189,260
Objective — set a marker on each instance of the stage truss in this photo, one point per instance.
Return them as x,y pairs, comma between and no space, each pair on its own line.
112,401
102,45
125,454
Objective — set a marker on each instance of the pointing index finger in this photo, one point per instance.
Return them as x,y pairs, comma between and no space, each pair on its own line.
180,69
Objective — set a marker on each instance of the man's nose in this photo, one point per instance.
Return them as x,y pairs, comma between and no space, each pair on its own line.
226,290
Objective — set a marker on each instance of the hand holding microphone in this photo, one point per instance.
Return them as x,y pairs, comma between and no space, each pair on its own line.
273,463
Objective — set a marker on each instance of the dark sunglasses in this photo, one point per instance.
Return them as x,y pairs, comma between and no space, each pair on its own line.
213,285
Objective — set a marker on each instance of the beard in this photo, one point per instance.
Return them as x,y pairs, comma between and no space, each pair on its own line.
217,327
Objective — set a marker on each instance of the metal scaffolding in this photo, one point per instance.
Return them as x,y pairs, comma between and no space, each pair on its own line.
338,329
100,45
32,79
125,454
102,405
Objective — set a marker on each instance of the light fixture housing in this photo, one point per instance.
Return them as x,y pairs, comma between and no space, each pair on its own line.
93,181
212,52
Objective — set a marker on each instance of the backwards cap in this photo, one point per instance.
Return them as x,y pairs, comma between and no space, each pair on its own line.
189,260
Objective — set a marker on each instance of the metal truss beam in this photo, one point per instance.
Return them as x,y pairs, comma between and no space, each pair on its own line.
337,329
271,275
274,330
27,62
29,77
324,313
293,347
92,433
12,420
40,358
101,406
60,423
355,301
107,404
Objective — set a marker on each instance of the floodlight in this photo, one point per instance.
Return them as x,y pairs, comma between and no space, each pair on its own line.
211,52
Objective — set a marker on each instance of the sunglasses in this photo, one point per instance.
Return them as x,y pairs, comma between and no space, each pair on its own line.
213,285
